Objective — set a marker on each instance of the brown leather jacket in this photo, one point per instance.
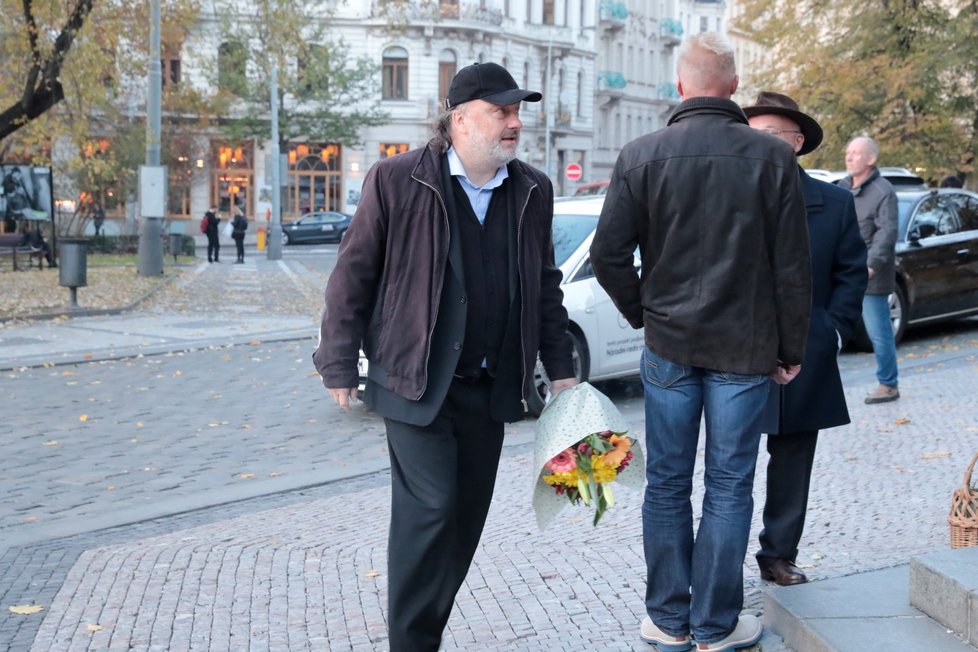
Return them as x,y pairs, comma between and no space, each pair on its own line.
718,214
385,289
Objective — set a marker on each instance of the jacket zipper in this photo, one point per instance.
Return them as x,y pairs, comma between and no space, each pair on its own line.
519,273
431,330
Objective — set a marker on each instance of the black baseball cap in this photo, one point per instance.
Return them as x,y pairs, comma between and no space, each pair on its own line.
489,82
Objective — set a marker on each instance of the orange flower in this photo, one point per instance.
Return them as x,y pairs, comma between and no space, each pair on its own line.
622,445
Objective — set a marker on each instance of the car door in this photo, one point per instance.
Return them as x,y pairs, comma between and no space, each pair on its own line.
966,250
617,345
931,258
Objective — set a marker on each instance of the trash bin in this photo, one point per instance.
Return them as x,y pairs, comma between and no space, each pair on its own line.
176,243
73,270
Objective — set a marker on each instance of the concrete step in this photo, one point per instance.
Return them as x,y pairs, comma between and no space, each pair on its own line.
864,612
944,585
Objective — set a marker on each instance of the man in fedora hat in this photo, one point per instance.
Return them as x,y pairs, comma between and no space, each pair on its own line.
447,279
814,399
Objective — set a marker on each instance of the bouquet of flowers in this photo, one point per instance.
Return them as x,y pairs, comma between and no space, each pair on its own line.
585,471
581,448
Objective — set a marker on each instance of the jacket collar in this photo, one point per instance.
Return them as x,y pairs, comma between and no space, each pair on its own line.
811,189
865,184
697,106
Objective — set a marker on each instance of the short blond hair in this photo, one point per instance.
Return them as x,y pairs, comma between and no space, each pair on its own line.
706,65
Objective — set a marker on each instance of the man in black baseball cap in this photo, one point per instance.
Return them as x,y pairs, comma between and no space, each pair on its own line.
814,400
447,277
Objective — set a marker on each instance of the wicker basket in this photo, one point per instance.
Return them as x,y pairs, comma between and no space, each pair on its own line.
964,512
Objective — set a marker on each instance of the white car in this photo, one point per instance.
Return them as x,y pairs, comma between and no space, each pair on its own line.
605,344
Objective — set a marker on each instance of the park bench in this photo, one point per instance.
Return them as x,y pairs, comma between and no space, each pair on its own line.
10,247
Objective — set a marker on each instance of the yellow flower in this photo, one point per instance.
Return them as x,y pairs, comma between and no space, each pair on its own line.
603,472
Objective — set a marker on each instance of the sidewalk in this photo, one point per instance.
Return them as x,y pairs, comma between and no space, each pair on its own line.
306,570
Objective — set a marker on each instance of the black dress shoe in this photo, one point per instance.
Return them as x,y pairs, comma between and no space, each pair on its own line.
783,573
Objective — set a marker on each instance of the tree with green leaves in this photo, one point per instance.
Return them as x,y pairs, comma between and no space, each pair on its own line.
324,94
900,71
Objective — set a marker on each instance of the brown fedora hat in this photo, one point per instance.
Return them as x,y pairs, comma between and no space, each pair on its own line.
768,103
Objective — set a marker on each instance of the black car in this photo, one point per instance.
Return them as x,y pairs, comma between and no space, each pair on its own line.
936,256
321,226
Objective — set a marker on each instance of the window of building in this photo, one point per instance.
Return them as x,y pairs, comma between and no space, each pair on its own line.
580,92
448,8
315,178
526,74
548,12
395,75
388,150
232,62
703,26
232,176
170,70
447,67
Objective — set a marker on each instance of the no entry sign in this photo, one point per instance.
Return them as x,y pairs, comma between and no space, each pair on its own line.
574,171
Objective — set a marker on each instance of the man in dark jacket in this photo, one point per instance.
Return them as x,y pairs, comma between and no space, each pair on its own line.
814,400
876,208
213,243
724,295
446,277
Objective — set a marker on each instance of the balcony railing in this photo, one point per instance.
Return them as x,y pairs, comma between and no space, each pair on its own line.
668,91
612,15
426,11
670,30
610,81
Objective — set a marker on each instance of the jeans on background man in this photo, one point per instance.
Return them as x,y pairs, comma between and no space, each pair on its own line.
876,319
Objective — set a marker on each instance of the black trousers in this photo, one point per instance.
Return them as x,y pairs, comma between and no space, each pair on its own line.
213,248
239,243
789,476
442,480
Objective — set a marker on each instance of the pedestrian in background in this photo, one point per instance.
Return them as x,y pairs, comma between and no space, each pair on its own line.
459,229
213,242
239,225
814,400
724,295
952,181
98,218
876,208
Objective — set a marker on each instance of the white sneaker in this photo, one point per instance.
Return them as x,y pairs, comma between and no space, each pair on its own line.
747,632
665,642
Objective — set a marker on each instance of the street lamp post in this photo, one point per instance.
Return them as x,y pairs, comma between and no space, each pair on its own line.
150,261
275,228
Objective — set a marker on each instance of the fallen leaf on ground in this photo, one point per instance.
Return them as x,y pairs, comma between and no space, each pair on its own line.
93,628
26,609
373,573
246,476
935,455
902,421
83,417
53,442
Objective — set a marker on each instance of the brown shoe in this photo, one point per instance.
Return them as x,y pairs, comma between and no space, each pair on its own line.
783,573
883,394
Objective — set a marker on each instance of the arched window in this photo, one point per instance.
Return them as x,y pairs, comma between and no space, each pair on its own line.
395,75
232,64
447,67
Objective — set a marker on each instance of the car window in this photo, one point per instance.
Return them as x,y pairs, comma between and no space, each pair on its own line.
333,218
967,211
313,219
569,231
933,217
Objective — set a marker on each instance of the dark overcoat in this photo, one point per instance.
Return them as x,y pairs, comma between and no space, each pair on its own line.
814,399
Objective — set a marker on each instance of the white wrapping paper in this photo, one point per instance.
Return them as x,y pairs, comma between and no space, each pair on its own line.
570,417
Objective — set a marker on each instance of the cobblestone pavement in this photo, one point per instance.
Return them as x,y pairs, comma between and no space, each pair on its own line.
211,500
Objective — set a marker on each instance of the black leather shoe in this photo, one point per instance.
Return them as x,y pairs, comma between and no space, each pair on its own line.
783,573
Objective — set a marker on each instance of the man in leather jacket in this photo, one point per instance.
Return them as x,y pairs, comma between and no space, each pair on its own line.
446,277
724,296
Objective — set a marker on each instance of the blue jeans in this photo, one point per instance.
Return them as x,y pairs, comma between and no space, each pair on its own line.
876,318
697,586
